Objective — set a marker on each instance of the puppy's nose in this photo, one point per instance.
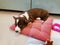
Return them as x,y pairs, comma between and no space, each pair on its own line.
16,31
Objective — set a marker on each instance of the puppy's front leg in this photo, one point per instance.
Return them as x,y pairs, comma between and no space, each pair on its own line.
31,19
38,18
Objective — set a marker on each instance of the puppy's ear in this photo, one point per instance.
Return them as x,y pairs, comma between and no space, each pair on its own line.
14,17
26,21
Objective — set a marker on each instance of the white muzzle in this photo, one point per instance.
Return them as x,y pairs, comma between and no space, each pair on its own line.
17,29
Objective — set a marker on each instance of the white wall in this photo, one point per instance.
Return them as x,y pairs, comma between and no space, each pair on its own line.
53,6
15,4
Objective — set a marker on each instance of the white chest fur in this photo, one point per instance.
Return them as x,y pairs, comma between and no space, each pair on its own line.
25,14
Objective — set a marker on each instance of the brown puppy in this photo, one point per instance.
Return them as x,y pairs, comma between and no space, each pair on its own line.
29,16
49,42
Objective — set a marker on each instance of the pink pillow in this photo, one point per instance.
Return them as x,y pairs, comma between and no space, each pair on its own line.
12,27
38,29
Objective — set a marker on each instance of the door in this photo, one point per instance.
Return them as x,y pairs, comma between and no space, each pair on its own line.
53,6
15,4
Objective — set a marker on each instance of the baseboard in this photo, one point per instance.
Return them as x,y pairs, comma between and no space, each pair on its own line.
57,14
11,10
23,11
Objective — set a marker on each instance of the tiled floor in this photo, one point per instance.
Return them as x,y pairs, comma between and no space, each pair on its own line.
55,36
8,37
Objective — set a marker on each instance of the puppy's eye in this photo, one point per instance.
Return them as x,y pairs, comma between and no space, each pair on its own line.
20,25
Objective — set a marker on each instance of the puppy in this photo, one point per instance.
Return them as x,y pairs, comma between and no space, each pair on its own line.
29,16
48,42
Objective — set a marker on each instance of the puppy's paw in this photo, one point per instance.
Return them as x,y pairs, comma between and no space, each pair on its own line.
29,23
38,18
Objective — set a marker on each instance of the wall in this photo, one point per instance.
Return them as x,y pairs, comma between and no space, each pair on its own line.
53,6
15,4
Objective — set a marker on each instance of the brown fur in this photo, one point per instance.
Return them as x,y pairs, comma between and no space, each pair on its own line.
33,14
38,12
49,42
